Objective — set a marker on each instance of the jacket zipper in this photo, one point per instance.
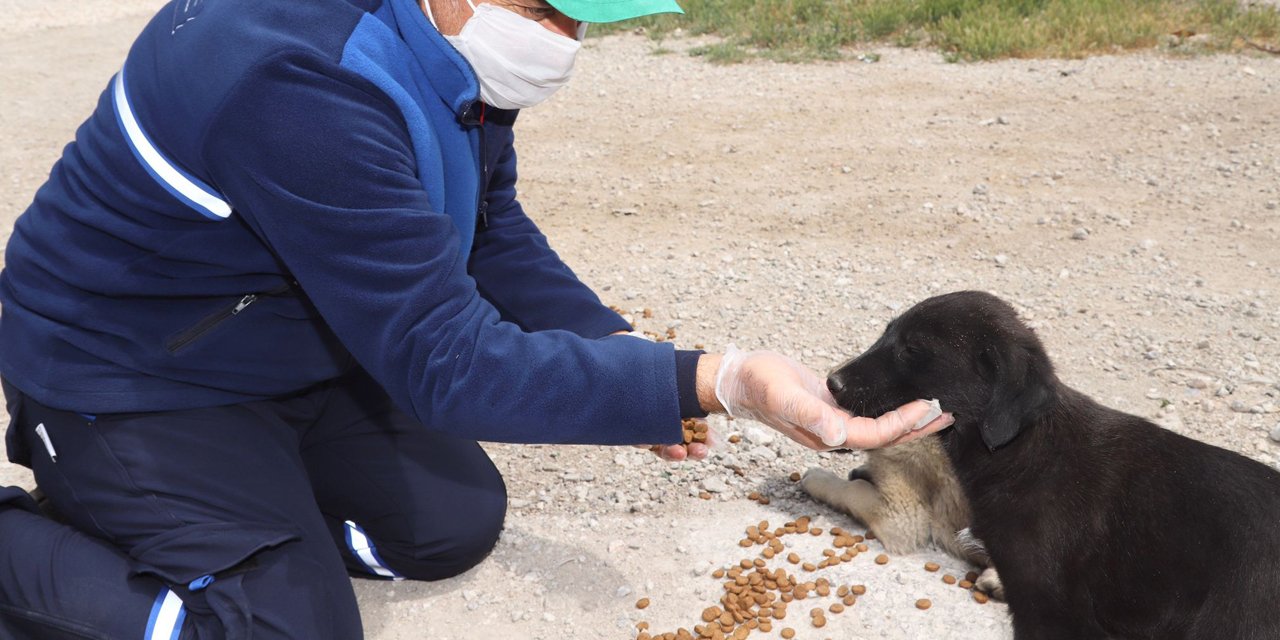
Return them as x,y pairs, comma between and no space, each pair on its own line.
209,323
482,206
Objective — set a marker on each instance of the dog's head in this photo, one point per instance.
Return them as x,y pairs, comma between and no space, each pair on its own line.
969,350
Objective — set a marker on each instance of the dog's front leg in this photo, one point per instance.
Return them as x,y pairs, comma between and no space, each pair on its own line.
1036,623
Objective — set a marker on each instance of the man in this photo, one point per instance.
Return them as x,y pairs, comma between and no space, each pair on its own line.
273,294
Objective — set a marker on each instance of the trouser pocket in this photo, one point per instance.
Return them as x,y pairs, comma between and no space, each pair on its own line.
205,566
19,452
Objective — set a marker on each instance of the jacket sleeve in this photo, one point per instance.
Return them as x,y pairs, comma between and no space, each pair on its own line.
518,271
318,162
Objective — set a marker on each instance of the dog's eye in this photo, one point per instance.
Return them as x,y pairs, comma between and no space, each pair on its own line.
912,354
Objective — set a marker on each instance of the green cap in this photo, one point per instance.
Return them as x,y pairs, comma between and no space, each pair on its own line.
613,10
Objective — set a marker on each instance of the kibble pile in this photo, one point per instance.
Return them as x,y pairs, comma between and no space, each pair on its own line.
758,598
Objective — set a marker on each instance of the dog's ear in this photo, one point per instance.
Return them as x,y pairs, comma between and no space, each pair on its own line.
1022,388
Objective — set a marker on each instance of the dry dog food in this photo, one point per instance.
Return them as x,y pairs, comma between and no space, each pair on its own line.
756,596
931,566
694,431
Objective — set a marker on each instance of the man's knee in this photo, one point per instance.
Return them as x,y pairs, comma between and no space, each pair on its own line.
450,546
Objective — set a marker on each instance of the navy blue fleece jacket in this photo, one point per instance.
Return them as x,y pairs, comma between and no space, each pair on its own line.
272,192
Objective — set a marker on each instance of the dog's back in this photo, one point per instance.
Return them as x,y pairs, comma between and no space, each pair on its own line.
1171,537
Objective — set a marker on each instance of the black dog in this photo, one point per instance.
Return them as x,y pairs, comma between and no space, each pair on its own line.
1102,524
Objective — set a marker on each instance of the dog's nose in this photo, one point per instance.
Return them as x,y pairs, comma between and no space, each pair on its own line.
835,385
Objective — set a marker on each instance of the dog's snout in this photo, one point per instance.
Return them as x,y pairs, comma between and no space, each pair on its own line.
834,384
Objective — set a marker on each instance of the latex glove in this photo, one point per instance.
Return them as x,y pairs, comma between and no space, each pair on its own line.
775,390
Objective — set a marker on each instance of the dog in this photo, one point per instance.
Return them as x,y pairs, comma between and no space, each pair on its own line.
909,497
1103,525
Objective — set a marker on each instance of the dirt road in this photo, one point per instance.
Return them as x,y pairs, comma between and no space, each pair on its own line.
1128,206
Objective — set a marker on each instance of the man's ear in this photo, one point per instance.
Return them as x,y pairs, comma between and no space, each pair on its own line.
1021,390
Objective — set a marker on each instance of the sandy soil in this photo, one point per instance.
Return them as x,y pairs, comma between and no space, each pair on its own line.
1128,206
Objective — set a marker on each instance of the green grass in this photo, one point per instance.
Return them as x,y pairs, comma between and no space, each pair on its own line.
794,30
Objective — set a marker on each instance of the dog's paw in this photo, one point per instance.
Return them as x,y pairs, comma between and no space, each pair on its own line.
989,583
820,483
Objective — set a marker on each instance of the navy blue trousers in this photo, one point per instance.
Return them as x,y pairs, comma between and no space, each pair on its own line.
233,522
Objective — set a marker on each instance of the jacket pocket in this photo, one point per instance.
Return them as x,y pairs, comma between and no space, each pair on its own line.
183,339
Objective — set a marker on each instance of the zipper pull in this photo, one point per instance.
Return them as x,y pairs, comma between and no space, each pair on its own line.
482,215
244,302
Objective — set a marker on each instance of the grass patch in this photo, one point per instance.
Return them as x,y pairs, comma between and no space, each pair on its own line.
963,29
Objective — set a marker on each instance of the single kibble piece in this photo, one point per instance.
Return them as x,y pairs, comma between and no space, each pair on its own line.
793,558
819,622
642,603
931,566
862,547
882,559
717,574
965,584
710,614
735,438
923,603
808,566
842,592
980,597
643,636
642,625
764,500
704,495
836,608
788,633
849,600
815,531
857,590
795,476
949,579
754,495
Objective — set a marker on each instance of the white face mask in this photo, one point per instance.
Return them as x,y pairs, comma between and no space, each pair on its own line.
518,62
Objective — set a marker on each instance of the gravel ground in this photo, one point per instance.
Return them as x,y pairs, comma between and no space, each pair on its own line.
1128,206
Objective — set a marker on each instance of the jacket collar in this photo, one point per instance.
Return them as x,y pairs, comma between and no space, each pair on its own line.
449,74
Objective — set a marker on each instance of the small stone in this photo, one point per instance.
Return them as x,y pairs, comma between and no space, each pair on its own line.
1275,433
1080,233
757,436
623,591
1001,259
715,484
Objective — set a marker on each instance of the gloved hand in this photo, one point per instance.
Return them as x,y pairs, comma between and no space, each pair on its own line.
775,390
